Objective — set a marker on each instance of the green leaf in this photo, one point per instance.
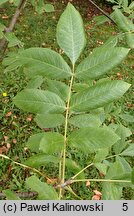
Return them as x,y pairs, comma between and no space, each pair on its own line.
127,117
45,192
123,133
2,27
130,39
3,1
34,141
59,88
92,139
129,151
111,191
98,95
100,20
132,176
51,142
70,33
119,169
10,195
85,120
39,101
73,167
101,155
101,167
39,160
42,62
131,6
35,82
12,39
49,8
49,120
111,42
78,87
102,60
122,21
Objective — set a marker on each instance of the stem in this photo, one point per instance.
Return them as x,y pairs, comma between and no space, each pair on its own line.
25,166
89,165
103,12
65,130
101,180
3,42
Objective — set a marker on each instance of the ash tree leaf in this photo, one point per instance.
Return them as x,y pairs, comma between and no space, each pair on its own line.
123,133
126,117
130,39
10,195
77,87
101,155
35,82
124,23
49,120
129,151
117,170
132,176
3,1
98,95
49,8
70,33
34,141
39,101
51,142
39,160
42,62
101,167
12,39
73,167
59,88
102,60
45,191
92,139
85,120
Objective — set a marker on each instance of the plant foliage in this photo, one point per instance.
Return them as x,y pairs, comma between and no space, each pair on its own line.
74,116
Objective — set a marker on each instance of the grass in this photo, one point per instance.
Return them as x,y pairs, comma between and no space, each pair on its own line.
17,126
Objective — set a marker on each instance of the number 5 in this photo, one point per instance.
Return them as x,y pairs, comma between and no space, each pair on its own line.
125,206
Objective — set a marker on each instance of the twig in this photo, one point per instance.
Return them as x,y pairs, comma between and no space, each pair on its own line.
103,12
22,194
3,42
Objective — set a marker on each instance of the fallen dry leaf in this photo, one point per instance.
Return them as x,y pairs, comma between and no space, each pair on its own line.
5,17
98,193
14,141
8,145
29,118
3,149
52,181
9,114
88,183
96,197
5,138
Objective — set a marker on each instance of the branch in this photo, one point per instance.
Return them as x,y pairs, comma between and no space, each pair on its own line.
3,42
103,12
22,194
